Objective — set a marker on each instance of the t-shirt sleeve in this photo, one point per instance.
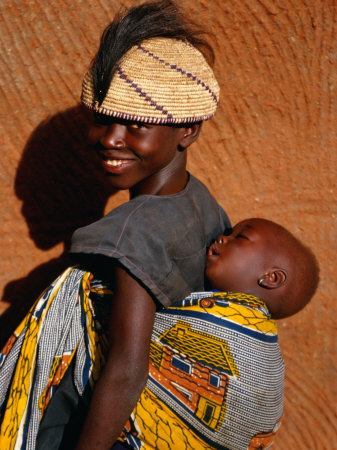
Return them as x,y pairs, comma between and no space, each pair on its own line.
120,235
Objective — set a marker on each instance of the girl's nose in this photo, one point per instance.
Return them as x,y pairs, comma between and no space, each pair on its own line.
113,136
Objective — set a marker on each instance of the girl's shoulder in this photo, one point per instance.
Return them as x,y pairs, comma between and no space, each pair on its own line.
193,210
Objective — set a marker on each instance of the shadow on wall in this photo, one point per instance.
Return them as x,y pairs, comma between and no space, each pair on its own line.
62,188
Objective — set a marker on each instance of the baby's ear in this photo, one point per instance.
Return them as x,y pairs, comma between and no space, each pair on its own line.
191,133
274,279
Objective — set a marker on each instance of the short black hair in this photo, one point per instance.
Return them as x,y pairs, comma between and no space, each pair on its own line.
307,273
303,278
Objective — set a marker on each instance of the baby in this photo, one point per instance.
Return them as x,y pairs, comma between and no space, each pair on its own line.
216,371
262,258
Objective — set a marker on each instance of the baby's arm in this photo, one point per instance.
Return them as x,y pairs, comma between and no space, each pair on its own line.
126,370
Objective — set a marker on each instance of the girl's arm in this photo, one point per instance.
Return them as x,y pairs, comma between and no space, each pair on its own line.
127,367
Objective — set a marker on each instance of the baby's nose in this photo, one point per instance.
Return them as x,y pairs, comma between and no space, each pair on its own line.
223,239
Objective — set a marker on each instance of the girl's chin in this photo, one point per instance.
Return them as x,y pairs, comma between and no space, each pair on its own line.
116,184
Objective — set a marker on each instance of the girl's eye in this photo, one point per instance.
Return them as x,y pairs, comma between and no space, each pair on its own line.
137,125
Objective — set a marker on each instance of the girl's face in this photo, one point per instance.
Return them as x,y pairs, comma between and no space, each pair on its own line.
135,155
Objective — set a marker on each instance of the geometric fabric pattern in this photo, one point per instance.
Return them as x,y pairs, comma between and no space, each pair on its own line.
215,379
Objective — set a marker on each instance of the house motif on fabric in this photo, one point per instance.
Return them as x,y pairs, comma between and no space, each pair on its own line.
194,367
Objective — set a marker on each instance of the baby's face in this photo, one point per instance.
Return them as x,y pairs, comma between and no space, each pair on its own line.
236,262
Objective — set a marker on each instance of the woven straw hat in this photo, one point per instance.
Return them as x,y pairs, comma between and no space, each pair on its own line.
161,81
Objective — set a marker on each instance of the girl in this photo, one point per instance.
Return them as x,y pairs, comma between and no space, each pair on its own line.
149,88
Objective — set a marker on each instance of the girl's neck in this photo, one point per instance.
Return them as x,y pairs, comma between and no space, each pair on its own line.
169,180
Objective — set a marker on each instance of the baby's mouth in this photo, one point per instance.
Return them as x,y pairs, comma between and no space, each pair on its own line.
212,251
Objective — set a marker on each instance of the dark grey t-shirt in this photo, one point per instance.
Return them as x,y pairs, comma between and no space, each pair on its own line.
161,240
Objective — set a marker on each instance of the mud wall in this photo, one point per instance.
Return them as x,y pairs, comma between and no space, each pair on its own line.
270,152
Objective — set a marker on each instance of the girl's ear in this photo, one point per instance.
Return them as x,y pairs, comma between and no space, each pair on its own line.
273,279
190,135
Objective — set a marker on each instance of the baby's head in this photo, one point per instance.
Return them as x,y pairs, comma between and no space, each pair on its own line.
262,258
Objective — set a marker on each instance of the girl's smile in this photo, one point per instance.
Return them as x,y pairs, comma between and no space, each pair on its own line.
114,165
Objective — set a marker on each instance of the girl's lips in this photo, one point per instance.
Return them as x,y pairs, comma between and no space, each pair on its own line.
116,165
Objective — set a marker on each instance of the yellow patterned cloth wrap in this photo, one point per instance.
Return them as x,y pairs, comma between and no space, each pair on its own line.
215,379
59,327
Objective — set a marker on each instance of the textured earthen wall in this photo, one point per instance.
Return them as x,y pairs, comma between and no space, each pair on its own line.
270,151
